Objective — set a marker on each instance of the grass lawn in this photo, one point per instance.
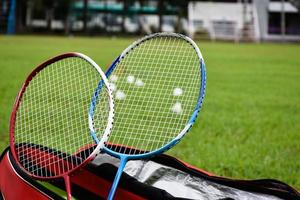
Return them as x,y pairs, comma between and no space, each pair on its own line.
249,127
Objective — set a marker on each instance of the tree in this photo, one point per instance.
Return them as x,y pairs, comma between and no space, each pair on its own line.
49,5
85,15
63,7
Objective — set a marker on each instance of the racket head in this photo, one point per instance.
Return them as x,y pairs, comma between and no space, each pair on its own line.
158,47
50,114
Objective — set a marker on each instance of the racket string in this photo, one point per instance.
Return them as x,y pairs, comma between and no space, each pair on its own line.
162,64
53,113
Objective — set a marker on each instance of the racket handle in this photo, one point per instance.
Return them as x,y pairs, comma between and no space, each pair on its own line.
114,186
68,187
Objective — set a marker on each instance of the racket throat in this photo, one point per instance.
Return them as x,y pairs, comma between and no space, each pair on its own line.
123,161
68,187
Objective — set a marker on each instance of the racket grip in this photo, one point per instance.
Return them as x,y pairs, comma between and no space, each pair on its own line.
114,186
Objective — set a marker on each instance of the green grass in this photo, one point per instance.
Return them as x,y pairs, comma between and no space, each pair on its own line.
250,122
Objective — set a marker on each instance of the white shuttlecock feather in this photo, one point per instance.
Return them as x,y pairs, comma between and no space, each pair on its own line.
139,83
113,87
177,108
177,92
120,95
130,79
113,78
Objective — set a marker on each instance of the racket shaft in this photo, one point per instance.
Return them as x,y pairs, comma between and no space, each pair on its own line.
113,189
68,187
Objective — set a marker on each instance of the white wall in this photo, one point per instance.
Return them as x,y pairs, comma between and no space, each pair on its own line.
208,11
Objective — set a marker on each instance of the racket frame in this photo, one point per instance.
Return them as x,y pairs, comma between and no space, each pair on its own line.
125,157
196,109
100,145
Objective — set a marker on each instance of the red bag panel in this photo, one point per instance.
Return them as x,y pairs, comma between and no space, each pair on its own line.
14,187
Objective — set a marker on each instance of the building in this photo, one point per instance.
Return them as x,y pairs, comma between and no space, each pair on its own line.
106,16
256,20
249,20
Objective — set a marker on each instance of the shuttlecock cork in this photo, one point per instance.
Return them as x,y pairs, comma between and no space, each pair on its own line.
120,95
177,92
130,79
177,108
113,78
113,87
139,83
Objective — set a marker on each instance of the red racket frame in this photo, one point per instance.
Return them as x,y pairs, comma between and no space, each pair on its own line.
66,175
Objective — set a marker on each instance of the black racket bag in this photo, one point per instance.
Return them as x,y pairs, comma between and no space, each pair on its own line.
161,177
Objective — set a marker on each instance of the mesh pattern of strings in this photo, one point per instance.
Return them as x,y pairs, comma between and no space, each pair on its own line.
51,124
157,85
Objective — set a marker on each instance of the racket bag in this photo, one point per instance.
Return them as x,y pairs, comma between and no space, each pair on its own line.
161,177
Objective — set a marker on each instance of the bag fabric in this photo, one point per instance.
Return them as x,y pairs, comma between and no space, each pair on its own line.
161,177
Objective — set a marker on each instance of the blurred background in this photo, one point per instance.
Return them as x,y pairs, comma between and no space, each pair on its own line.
236,20
250,122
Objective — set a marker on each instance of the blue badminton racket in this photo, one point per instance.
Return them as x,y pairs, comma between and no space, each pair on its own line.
158,84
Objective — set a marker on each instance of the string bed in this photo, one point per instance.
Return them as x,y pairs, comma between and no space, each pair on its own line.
53,113
156,88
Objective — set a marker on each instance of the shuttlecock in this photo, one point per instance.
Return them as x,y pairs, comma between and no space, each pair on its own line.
139,83
130,79
120,95
113,78
113,87
177,92
177,108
